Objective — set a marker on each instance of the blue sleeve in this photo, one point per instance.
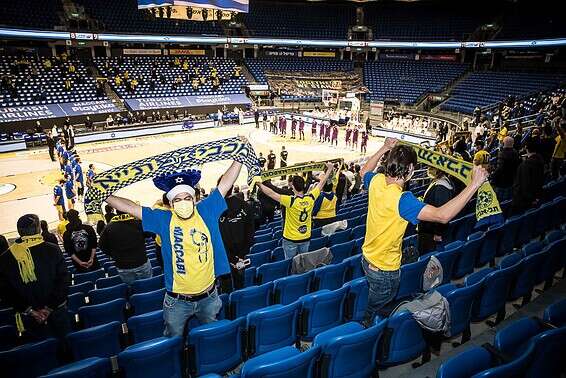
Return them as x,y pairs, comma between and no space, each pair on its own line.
317,204
410,207
213,205
152,219
367,179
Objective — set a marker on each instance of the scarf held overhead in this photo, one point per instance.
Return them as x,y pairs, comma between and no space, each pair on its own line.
488,210
299,168
108,182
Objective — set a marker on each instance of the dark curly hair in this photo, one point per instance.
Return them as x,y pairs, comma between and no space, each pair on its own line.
399,161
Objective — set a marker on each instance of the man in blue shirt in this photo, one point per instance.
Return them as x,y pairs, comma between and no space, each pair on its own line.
58,199
79,178
192,248
90,175
70,192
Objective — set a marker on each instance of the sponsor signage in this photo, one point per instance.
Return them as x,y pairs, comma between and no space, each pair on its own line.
187,52
71,109
185,101
396,56
320,54
446,58
281,53
141,51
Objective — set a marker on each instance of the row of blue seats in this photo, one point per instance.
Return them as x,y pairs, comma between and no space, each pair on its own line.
528,347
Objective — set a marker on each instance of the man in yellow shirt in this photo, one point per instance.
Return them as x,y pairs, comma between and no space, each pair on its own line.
389,211
481,157
559,149
191,245
325,207
298,212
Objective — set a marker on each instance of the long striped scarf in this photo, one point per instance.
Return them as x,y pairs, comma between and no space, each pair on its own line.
108,182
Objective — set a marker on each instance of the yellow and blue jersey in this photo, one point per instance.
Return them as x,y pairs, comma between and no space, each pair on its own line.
58,192
325,206
69,188
389,211
298,216
192,249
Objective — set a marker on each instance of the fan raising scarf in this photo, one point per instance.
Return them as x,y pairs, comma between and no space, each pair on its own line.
108,182
488,211
22,254
299,168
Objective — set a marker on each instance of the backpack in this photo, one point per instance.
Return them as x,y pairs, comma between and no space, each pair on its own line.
308,261
79,239
431,310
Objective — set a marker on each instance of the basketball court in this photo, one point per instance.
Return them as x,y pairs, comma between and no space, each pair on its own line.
27,178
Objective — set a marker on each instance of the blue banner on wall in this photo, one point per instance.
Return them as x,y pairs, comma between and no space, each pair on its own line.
70,109
185,101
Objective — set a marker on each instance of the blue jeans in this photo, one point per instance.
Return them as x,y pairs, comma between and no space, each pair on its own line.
291,249
383,287
128,276
176,312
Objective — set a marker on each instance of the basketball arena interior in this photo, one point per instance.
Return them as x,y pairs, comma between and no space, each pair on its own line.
282,188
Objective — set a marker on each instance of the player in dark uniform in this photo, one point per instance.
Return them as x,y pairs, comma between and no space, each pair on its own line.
302,129
313,129
364,144
327,130
283,162
334,135
348,135
271,160
355,134
321,132
293,128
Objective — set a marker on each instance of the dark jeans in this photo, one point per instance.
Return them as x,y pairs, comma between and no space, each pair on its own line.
383,288
58,325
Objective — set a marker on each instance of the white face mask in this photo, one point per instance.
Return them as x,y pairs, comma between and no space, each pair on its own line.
184,208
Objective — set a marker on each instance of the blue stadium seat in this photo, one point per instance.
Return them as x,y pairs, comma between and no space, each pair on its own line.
548,354
8,337
79,278
532,248
277,254
359,232
148,284
341,251
98,296
262,247
508,235
512,339
262,238
448,261
355,269
318,243
215,347
282,363
75,301
356,299
94,315
349,350
287,290
259,258
488,249
467,256
242,302
147,326
102,283
272,271
339,237
93,367
30,360
526,277
460,301
329,277
465,364
249,276
556,313
161,357
404,341
99,341
411,279
321,311
553,263
271,328
147,302
85,287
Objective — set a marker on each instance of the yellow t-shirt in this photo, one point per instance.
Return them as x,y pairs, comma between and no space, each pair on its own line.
481,157
502,134
298,215
327,207
62,227
389,211
559,148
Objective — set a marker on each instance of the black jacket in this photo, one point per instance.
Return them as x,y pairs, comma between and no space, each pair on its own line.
527,187
437,196
507,163
124,241
52,283
237,228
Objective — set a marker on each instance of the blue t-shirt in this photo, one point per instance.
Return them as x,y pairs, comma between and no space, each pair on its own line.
66,155
79,173
68,170
69,189
58,192
159,222
90,174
